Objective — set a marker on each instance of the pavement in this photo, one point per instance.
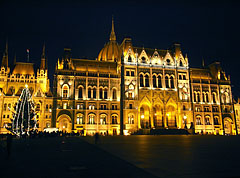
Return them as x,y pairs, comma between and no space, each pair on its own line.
63,157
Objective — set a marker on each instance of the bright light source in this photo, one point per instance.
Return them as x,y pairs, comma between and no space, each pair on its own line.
142,116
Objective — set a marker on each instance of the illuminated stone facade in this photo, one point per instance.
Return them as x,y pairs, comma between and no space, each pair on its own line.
160,91
12,83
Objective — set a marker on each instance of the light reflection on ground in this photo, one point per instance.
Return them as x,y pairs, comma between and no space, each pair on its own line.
179,156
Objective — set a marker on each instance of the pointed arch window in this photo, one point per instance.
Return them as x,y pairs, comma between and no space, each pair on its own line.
159,81
105,93
180,63
89,92
198,97
100,93
129,59
141,80
154,81
203,97
166,82
214,97
194,97
172,82
146,81
80,92
65,91
94,93
114,94
198,120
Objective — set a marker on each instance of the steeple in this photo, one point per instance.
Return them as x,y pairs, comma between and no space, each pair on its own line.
203,63
112,35
5,57
43,64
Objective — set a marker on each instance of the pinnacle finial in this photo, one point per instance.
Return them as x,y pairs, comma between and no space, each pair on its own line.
112,35
6,49
43,51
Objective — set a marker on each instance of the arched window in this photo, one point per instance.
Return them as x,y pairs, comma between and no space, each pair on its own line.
172,81
114,94
46,107
216,120
159,81
194,97
105,93
89,92
198,97
168,62
5,107
129,59
80,118
180,63
143,60
146,81
166,82
114,119
91,119
9,106
65,91
214,97
154,81
226,97
100,93
130,119
94,93
198,120
207,120
103,119
207,98
141,80
80,92
203,97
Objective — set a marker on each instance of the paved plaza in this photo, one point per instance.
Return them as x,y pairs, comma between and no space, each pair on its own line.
179,156
123,156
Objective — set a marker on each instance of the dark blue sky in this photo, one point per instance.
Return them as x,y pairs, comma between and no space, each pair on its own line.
208,30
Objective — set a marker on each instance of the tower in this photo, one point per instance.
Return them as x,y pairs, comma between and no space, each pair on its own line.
42,73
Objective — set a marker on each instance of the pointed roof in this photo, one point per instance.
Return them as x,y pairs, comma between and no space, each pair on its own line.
43,64
5,57
111,51
112,35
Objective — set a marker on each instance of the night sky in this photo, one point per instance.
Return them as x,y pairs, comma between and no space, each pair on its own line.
208,30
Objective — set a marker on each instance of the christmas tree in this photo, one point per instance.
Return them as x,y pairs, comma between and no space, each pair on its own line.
24,119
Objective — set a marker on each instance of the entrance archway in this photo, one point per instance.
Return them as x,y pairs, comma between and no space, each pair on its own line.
157,116
145,117
64,123
228,126
171,116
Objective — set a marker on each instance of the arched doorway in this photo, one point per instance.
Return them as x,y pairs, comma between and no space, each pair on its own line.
157,116
171,116
64,123
228,126
145,117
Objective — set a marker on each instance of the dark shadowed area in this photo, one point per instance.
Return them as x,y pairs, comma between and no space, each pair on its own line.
208,30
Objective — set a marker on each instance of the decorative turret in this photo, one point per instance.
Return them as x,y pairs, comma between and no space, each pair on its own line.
42,73
111,51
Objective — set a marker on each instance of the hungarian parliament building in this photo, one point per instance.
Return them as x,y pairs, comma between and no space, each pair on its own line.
126,90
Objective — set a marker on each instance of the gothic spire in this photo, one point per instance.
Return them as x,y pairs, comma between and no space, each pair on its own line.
112,35
43,59
5,56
